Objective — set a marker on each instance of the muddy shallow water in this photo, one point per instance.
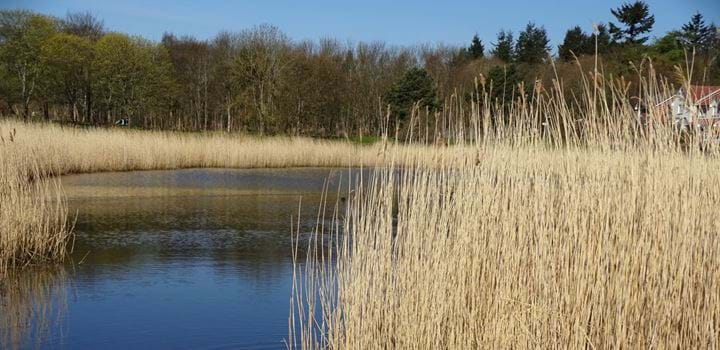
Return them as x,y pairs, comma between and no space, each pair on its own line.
197,258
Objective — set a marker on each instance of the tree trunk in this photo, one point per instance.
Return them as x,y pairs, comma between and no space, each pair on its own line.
205,98
88,105
228,117
26,109
24,94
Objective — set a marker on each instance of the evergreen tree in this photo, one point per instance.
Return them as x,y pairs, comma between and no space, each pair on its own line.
697,34
532,45
504,46
476,49
636,19
576,43
416,86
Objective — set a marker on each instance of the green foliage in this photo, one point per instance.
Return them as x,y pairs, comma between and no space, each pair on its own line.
365,140
121,69
668,49
504,46
637,21
416,86
67,58
23,36
532,45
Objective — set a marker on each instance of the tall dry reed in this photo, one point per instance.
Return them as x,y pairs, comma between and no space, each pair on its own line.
553,225
34,223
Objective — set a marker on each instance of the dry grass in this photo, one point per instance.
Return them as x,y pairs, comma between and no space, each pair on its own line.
71,150
590,231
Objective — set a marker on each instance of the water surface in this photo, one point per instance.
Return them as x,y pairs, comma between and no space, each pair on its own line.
197,258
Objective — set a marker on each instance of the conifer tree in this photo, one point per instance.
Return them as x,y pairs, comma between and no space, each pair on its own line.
576,43
532,45
415,86
697,34
504,46
476,49
636,20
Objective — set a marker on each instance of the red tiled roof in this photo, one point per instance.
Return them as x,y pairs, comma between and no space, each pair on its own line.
698,92
708,122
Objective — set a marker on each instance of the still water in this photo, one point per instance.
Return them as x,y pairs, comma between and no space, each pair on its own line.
197,258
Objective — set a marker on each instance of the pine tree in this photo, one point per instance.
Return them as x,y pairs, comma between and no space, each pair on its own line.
416,86
504,46
697,34
637,21
576,43
532,45
476,49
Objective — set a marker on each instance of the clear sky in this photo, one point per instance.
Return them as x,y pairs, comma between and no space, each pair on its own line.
396,22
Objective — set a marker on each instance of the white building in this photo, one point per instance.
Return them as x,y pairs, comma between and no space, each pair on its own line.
696,107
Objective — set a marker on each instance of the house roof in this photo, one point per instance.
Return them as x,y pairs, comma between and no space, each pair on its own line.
704,94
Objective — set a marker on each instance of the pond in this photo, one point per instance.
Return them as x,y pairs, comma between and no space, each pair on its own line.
196,258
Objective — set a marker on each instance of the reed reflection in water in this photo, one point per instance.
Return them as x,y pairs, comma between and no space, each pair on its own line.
33,304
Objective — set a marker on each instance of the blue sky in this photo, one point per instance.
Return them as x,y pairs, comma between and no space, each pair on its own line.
396,22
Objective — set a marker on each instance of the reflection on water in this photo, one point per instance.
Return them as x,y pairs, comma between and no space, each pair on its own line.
195,258
31,306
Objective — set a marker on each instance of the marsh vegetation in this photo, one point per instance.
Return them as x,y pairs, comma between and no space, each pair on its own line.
593,226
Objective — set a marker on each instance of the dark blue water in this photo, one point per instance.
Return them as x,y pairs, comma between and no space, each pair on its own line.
187,259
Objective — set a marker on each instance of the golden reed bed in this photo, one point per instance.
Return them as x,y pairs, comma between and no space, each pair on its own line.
525,248
558,225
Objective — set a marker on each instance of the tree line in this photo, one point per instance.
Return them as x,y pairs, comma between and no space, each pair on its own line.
74,70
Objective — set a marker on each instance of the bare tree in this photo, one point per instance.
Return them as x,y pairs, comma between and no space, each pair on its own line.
83,24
